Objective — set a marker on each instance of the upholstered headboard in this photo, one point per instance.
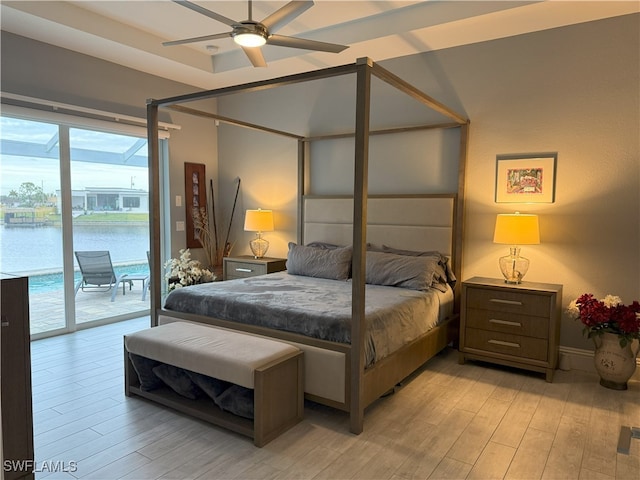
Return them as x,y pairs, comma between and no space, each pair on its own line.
412,222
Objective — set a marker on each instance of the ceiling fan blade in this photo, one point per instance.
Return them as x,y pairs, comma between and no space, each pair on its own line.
284,15
208,13
255,55
204,38
295,42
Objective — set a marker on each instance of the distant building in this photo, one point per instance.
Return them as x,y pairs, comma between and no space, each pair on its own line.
106,199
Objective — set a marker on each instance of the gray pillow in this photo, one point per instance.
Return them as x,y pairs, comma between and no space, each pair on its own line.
415,273
324,245
178,380
237,400
410,253
444,273
334,263
144,368
211,386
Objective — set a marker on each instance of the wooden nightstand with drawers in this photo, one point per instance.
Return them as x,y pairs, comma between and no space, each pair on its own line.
517,325
244,266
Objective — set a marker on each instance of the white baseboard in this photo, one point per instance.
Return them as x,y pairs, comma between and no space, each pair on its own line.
578,359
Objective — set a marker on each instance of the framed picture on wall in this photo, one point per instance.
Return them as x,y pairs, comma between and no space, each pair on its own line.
195,194
526,178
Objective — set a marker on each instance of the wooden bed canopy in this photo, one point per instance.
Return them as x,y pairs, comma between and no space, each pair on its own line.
364,69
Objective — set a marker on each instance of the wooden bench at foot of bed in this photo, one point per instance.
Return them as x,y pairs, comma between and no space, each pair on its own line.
273,369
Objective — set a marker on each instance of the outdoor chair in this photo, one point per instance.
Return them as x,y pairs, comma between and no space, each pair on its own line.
146,284
98,274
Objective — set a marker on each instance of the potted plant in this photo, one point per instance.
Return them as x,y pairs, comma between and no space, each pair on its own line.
614,328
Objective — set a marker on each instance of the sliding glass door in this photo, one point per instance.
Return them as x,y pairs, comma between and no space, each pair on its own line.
110,211
67,190
31,235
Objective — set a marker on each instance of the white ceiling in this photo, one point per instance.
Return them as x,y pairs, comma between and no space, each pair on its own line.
131,33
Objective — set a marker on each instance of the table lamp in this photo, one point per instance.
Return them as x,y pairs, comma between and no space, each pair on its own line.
258,221
515,229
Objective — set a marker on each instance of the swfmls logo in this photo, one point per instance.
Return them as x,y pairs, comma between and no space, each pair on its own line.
57,466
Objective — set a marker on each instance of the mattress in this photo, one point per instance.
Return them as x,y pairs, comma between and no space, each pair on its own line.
318,308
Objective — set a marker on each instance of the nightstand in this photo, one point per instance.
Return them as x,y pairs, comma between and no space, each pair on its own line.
517,325
248,266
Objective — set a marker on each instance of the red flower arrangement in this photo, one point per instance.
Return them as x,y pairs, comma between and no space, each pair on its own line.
607,315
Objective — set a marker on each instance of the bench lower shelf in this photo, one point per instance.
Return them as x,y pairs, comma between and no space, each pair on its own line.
203,408
278,401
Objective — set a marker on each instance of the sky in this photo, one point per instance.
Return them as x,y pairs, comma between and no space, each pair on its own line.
45,172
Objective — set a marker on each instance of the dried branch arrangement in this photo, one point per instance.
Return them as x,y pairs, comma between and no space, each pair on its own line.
204,235
207,231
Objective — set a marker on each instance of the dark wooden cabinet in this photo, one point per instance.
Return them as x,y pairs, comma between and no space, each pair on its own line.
514,325
17,417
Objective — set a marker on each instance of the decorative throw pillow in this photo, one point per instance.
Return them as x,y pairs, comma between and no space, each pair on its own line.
237,400
144,368
334,264
209,385
178,380
415,273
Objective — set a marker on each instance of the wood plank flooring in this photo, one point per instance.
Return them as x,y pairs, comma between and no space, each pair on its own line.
448,421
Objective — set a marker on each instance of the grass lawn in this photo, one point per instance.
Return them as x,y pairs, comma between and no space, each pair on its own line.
117,217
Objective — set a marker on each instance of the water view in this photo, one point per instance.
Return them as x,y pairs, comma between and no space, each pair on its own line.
27,250
37,252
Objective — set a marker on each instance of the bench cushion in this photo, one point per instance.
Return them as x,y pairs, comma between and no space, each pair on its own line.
223,354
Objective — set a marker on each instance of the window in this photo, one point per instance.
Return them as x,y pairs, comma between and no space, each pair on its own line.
96,189
131,202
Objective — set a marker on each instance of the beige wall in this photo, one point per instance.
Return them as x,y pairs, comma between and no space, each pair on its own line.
574,91
571,90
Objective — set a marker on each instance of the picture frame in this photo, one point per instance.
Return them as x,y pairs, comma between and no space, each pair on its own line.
195,194
526,178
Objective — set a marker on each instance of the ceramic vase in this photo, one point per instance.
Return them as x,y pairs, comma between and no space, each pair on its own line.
614,364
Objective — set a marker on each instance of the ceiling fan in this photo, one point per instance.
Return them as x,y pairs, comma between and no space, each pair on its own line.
251,35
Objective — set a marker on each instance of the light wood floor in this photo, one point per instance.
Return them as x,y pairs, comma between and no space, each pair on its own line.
447,421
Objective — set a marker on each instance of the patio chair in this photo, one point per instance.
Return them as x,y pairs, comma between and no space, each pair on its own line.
98,273
146,284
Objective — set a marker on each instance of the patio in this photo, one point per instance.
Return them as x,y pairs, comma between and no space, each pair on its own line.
46,309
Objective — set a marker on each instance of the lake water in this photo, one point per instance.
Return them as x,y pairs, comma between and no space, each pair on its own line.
38,251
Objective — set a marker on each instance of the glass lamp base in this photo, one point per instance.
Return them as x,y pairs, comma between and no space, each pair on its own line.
513,266
259,247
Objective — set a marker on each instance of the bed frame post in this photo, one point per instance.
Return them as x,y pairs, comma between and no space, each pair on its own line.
458,227
360,192
303,184
154,218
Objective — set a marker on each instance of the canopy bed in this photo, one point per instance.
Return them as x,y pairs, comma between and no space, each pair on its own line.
354,367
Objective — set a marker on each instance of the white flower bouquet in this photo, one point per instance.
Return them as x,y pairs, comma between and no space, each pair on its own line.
184,271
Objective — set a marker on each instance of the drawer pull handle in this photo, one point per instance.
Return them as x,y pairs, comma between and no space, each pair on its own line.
504,344
506,302
505,322
247,270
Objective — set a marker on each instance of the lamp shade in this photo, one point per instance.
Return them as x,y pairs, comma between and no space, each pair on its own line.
517,229
258,220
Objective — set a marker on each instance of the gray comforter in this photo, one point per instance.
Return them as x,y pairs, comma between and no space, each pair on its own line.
318,308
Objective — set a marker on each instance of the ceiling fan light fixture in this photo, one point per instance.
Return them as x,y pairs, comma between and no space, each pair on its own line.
249,40
250,34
